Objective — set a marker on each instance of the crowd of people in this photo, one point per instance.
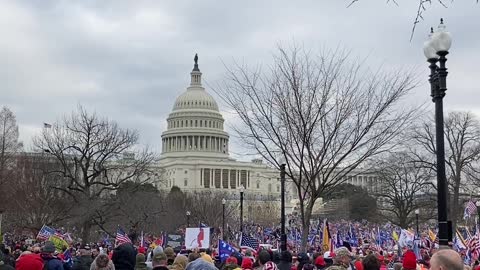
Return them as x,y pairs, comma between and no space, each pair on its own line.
126,256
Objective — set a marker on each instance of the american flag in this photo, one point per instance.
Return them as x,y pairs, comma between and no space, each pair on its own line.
122,237
45,233
473,245
248,242
470,209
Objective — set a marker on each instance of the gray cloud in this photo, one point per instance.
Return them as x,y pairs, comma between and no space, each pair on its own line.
129,60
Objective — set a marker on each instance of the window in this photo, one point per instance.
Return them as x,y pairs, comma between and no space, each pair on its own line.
278,188
269,187
258,184
206,178
185,182
186,171
217,178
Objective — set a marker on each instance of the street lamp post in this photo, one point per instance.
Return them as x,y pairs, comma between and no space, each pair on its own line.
416,218
242,188
478,212
188,218
283,235
435,49
223,218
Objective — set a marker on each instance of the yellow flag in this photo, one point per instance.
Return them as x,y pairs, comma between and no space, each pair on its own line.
59,243
326,237
432,235
395,235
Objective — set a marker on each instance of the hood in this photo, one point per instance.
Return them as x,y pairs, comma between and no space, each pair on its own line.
200,264
124,257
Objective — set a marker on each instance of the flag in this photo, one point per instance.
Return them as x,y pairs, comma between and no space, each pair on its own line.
395,235
122,237
406,238
458,242
142,241
470,209
45,233
224,250
67,258
326,237
248,242
59,243
432,235
46,125
473,246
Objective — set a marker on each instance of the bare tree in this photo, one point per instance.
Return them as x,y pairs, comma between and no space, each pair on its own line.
96,157
462,151
405,188
31,196
9,144
322,114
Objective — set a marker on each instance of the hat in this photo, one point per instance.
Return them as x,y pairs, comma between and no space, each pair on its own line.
159,257
270,266
247,263
320,261
140,258
303,257
409,260
329,255
231,260
169,252
207,258
343,251
29,262
49,247
141,250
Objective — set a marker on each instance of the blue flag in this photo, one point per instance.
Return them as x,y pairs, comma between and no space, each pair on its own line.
67,258
224,250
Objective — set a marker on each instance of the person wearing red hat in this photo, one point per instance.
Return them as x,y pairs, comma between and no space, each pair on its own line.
247,263
320,262
409,261
29,262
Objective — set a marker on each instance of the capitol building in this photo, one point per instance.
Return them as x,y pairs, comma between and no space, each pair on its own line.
195,153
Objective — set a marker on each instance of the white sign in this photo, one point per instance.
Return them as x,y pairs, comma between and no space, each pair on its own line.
197,238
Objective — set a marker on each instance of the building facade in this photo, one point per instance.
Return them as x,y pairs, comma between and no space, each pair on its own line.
195,153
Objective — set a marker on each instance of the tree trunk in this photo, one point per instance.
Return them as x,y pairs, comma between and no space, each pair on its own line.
86,227
455,201
306,225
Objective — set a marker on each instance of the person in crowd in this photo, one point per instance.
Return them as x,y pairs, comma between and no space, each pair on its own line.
343,258
193,256
124,257
319,262
371,262
247,263
263,258
409,261
49,259
269,266
180,263
285,260
328,257
84,260
302,259
231,263
102,262
3,265
446,259
140,262
201,264
170,253
159,261
151,254
29,262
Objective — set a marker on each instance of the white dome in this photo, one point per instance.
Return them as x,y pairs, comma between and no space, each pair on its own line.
195,125
195,98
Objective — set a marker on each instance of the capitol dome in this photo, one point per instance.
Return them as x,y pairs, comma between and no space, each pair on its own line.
195,125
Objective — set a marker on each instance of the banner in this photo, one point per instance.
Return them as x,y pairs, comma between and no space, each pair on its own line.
60,244
174,240
197,238
406,239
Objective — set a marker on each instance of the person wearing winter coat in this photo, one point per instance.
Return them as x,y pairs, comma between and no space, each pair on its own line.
84,261
124,257
3,265
102,262
51,262
29,262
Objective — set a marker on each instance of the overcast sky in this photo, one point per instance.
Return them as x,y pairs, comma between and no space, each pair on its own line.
129,60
